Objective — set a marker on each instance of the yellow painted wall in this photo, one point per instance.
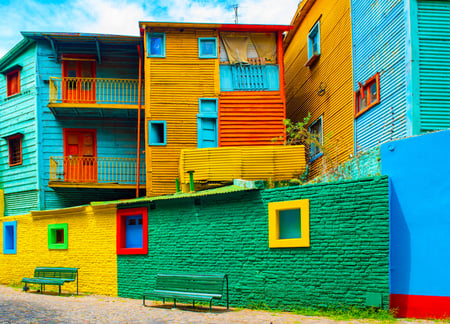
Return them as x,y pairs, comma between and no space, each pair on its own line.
334,67
91,247
173,86
243,162
2,203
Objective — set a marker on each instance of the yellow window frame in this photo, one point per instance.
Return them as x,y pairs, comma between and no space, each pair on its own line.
274,224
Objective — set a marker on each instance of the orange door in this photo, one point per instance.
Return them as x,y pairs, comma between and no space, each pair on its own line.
78,81
80,156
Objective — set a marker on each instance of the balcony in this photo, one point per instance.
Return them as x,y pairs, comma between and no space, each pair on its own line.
95,172
94,97
240,77
224,164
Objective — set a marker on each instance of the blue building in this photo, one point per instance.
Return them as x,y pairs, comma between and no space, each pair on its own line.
401,69
69,118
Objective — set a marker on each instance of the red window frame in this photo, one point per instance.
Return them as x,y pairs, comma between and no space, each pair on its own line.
367,92
14,162
121,230
13,82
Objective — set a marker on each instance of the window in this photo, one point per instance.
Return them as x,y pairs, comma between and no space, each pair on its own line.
132,231
10,237
313,44
368,95
289,224
57,236
207,123
157,132
15,149
13,82
207,47
316,130
156,45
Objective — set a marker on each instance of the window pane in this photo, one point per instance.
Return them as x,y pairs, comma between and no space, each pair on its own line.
373,92
208,47
59,236
289,224
156,44
363,102
15,153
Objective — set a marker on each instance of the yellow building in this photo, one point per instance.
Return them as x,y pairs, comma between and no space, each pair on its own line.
318,72
209,86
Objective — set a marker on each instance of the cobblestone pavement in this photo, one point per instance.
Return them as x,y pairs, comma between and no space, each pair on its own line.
17,306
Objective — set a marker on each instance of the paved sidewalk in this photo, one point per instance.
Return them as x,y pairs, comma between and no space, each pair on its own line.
17,306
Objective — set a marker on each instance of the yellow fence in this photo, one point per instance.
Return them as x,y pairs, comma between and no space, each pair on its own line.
95,170
245,162
94,90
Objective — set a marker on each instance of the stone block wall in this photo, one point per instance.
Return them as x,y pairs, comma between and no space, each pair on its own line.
348,255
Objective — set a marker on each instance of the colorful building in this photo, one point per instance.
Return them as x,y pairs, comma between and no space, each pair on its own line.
68,133
399,69
210,86
318,65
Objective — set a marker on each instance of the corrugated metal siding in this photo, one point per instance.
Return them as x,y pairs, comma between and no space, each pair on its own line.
115,138
250,118
173,86
248,163
18,114
20,203
379,45
434,64
334,68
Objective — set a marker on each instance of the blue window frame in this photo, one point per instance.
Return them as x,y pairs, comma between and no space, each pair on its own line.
207,47
156,45
314,40
10,237
316,129
207,123
157,132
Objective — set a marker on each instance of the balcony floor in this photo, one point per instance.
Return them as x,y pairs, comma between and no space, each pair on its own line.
94,110
93,185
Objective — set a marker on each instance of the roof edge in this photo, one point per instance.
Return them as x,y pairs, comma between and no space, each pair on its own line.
13,52
302,10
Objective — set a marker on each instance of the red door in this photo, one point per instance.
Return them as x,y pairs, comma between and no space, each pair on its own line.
80,155
78,80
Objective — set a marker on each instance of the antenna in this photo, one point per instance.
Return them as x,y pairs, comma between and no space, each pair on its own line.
236,14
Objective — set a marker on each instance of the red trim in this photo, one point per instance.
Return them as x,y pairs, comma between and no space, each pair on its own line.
121,230
9,77
367,84
19,136
255,28
420,306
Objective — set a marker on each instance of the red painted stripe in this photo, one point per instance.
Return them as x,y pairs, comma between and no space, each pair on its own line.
420,306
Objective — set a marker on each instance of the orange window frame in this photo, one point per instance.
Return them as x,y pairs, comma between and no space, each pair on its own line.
14,162
366,90
13,82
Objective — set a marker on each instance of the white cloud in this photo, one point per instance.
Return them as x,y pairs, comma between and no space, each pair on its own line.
267,11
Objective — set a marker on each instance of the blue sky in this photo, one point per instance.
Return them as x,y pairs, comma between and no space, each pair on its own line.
122,16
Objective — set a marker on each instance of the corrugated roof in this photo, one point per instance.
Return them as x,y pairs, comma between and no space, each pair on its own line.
228,27
203,193
106,38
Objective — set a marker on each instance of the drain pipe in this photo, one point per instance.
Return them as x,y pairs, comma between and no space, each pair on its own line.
138,166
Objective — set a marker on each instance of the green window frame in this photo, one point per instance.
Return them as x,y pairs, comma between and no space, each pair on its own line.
58,236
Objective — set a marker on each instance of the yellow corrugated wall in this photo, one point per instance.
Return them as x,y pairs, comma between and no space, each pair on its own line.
91,247
243,162
334,68
2,203
173,86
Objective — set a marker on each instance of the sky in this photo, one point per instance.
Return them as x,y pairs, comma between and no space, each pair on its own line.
122,16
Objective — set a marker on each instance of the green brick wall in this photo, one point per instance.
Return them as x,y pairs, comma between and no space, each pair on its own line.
348,256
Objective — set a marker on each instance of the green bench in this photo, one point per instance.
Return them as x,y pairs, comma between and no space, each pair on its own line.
52,276
204,287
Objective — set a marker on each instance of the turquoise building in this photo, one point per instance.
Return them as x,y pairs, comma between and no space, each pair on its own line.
69,107
401,70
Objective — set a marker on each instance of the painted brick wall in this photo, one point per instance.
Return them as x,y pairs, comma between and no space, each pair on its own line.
91,248
348,256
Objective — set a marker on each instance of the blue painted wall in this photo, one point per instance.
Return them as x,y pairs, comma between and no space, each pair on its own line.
115,137
420,205
18,114
379,33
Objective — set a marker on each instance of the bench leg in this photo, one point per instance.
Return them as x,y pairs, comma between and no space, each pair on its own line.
210,302
41,288
143,300
193,304
164,300
59,290
174,303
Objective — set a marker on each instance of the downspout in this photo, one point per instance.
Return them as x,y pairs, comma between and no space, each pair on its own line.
280,59
138,169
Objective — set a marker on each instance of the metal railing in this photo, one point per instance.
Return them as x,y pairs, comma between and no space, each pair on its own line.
76,169
94,90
